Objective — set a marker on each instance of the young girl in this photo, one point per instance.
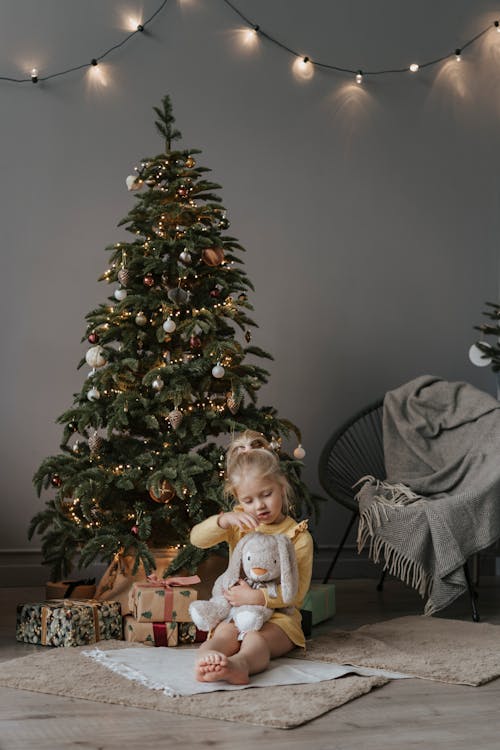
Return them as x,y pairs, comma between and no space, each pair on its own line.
254,478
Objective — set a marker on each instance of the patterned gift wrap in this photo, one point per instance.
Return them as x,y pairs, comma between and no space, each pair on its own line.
320,601
67,622
161,633
163,599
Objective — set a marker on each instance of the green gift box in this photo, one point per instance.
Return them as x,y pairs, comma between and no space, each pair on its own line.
320,601
68,622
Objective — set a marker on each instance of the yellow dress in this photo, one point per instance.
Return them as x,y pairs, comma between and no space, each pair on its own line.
207,533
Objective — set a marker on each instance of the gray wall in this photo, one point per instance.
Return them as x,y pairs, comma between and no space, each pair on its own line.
370,216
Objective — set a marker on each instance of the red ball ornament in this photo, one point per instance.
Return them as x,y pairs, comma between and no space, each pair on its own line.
215,293
148,280
93,338
183,192
134,530
195,342
56,480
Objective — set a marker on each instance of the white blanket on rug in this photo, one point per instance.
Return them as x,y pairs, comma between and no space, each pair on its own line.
171,670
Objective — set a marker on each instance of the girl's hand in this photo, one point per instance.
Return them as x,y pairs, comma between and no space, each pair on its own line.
241,520
242,593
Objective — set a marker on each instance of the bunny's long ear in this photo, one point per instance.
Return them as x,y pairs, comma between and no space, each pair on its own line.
289,570
233,572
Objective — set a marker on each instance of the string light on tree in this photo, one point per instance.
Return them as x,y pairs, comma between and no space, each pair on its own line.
359,77
414,67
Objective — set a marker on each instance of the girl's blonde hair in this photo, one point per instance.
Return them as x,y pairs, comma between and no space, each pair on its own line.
251,453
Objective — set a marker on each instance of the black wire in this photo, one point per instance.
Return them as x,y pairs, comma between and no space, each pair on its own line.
100,57
340,69
266,35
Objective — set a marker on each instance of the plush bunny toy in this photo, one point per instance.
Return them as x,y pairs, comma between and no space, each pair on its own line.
264,561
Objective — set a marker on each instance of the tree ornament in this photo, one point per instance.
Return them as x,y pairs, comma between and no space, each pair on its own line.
218,371
233,403
248,336
133,182
167,356
56,480
158,383
124,276
477,357
215,292
140,319
93,394
195,342
162,494
150,182
169,325
135,530
299,452
93,338
96,357
120,294
190,162
178,296
149,280
76,447
175,417
185,256
96,444
213,256
183,192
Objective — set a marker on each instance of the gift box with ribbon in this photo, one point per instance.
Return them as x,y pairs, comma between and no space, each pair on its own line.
68,622
320,601
163,599
161,633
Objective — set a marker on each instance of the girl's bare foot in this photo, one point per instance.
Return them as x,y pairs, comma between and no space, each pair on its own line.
214,666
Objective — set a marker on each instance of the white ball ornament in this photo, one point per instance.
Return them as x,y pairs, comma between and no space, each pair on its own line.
93,394
120,294
477,357
96,357
299,453
158,384
185,256
133,182
140,319
218,371
169,325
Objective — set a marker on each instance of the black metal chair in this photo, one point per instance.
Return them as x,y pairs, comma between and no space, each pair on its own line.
353,451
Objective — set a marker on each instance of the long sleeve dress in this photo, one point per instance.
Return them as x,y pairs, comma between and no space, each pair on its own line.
208,533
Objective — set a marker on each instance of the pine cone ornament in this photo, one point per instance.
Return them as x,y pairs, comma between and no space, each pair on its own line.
175,418
124,276
213,256
96,443
233,402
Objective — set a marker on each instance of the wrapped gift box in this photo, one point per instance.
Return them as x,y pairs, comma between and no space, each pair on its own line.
163,599
83,589
68,622
320,601
161,633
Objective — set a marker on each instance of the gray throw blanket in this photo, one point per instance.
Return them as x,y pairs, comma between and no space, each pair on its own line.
440,501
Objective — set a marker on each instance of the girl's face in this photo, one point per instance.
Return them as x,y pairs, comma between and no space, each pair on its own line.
262,498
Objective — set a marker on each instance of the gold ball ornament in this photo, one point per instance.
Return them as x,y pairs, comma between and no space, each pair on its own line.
213,256
140,319
175,417
299,453
190,162
162,493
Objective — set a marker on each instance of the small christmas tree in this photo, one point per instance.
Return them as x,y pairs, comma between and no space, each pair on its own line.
140,464
491,351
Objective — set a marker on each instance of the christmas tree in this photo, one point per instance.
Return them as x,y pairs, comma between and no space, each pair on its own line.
490,352
141,460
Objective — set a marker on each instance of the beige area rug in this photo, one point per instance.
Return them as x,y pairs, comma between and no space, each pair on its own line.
432,648
67,672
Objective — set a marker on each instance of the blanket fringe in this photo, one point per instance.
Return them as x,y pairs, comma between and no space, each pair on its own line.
395,562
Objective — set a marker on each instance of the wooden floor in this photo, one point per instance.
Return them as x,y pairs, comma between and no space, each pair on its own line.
402,715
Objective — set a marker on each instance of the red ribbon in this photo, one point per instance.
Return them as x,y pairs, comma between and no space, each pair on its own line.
168,584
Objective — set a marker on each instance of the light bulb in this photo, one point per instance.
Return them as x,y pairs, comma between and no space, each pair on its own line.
303,68
458,54
497,24
34,75
414,67
359,77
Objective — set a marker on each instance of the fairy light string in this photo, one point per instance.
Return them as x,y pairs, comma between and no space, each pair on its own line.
304,61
